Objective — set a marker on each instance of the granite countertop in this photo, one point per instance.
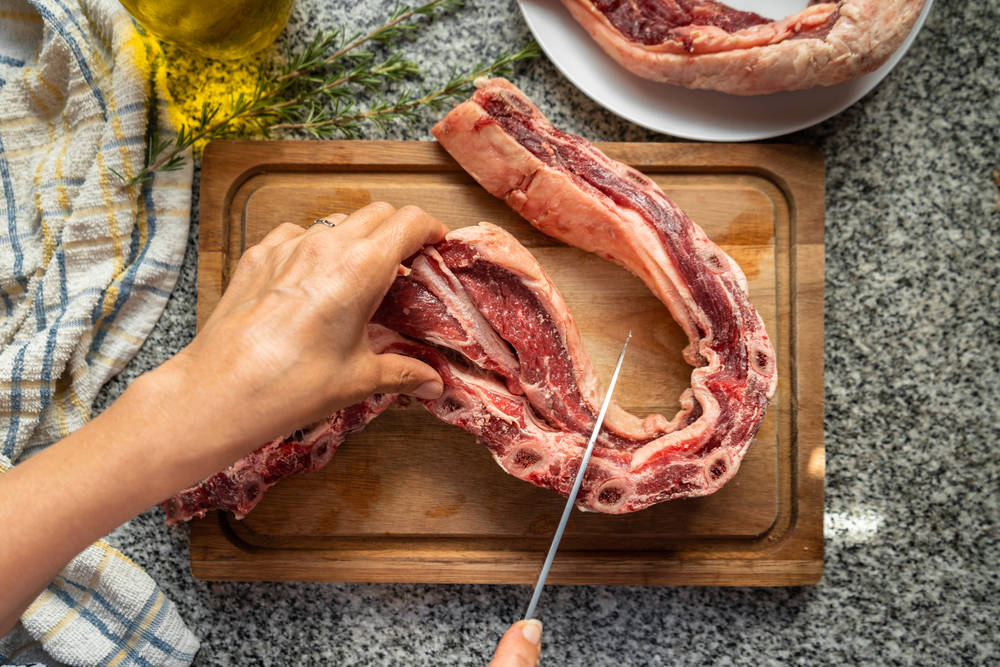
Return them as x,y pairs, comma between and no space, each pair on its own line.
912,408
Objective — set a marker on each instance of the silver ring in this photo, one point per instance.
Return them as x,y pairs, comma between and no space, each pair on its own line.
322,222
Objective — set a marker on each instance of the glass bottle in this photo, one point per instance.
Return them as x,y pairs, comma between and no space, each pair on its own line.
222,29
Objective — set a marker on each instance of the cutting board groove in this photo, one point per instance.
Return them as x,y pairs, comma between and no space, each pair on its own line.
411,499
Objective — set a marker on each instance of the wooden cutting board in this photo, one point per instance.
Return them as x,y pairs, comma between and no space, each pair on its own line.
412,499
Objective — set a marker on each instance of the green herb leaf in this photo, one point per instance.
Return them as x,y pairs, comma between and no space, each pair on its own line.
317,91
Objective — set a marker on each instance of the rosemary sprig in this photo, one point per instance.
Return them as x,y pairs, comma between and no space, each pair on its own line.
313,56
316,91
324,123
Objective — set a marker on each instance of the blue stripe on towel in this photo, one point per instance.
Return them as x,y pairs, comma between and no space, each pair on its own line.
50,344
132,624
128,281
11,208
81,61
15,403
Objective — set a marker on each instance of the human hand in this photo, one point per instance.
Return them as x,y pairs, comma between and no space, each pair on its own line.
520,646
287,344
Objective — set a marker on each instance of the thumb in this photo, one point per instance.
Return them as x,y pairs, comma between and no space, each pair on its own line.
520,646
404,375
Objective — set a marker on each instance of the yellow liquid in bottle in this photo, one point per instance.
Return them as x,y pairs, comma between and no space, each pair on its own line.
223,29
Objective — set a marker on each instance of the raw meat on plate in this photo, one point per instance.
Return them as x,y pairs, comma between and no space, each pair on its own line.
706,44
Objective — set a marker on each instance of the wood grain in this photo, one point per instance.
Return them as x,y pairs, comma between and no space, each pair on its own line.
412,499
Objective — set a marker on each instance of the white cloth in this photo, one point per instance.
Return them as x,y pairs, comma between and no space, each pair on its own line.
85,271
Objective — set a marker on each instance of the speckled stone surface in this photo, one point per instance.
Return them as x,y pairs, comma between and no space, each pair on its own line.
912,409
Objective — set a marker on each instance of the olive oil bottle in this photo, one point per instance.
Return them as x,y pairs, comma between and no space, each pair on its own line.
222,29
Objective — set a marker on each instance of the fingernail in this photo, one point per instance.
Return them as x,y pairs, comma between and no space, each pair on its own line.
532,631
429,390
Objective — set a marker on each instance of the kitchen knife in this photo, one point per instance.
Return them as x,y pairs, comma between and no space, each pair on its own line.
529,611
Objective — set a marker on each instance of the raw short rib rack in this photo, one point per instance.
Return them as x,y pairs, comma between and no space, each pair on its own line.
479,309
706,44
569,190
240,487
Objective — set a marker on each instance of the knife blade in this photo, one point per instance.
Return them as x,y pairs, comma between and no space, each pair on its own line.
529,611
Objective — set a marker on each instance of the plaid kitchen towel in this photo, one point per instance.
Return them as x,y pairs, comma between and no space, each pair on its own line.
85,271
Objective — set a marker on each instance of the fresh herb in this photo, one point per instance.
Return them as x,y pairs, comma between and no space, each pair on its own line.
324,122
316,91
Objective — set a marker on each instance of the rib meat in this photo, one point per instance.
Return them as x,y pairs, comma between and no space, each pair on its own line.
568,189
705,44
479,309
241,486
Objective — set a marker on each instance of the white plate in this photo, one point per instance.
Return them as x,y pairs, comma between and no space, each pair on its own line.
694,114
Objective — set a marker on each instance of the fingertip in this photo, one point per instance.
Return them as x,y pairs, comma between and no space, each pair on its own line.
417,218
406,375
415,212
520,646
407,231
429,390
532,631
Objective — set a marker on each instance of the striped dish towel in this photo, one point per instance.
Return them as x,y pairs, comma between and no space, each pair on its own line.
85,271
